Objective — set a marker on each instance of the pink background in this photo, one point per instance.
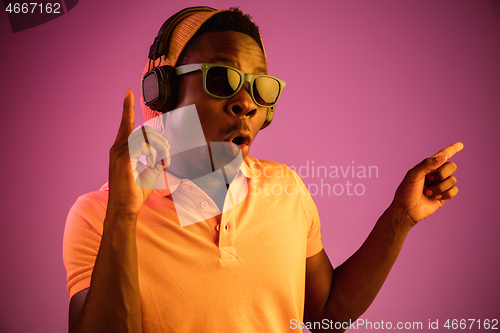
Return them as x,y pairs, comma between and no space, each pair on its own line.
380,83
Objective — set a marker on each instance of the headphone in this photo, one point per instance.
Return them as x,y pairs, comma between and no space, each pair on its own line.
160,85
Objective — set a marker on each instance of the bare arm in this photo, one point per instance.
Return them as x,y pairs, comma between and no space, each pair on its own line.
345,293
113,303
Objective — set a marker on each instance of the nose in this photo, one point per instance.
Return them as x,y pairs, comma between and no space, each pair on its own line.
242,103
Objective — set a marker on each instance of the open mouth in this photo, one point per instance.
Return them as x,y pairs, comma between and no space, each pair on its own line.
239,140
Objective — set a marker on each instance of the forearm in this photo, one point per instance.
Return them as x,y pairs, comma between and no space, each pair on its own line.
344,294
358,280
113,301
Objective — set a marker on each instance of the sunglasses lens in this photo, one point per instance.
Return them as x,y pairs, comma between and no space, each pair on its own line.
266,90
222,81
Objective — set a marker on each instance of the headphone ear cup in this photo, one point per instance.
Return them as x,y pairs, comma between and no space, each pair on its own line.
160,88
269,117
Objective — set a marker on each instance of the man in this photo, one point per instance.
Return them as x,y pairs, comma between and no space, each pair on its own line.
256,265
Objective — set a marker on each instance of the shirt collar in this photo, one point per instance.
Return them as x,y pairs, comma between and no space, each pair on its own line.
246,167
174,182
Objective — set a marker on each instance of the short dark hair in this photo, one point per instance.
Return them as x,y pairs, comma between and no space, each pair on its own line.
231,20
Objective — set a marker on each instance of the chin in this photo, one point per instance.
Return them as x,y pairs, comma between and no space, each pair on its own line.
245,151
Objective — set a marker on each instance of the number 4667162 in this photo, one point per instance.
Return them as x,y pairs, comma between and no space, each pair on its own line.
464,324
33,7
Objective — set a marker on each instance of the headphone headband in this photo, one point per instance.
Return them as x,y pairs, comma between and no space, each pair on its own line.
158,47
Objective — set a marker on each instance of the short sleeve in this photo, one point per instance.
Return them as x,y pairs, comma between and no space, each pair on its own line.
314,244
82,237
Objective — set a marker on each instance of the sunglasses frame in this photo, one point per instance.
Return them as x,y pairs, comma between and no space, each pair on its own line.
250,78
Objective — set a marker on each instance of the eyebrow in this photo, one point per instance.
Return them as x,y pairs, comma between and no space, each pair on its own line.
235,63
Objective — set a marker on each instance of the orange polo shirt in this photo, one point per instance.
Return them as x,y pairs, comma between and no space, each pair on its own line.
239,271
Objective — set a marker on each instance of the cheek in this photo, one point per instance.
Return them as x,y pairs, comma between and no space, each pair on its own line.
190,90
212,121
256,125
208,126
259,119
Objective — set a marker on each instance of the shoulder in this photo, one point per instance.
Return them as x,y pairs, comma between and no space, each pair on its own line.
277,176
89,210
257,163
95,199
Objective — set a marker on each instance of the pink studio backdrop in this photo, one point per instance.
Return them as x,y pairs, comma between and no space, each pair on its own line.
369,83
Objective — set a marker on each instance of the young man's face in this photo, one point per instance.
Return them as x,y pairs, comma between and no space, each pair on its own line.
238,116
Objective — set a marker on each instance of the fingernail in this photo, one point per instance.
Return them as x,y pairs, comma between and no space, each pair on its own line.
437,197
430,177
428,192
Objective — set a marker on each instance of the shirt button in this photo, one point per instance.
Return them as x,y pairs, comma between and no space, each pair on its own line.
217,227
204,204
186,187
226,226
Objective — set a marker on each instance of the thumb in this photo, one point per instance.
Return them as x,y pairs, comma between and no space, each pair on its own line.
428,165
127,122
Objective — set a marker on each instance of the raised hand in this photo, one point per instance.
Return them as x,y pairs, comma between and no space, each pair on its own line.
428,185
125,170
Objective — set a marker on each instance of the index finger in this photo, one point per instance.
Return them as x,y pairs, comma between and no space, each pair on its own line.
127,123
450,150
